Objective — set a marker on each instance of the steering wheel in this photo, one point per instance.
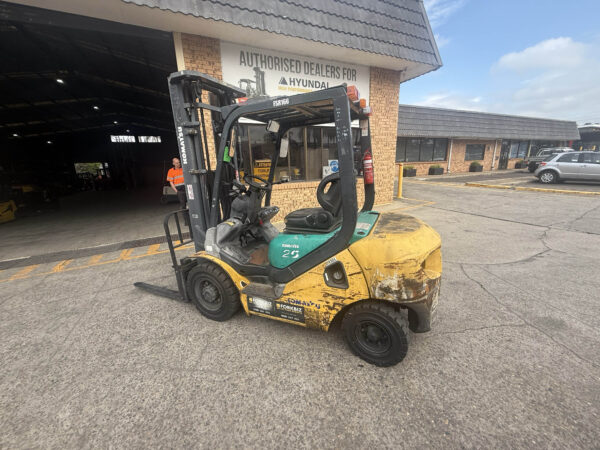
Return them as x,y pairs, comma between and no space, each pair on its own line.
263,186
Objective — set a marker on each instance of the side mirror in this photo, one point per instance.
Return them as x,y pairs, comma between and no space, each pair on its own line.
273,126
283,148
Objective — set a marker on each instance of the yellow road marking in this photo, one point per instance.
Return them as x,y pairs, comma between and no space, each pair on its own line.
557,191
23,273
153,249
438,183
61,266
494,186
125,254
95,259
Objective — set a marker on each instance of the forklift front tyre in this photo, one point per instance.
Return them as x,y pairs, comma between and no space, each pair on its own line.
377,333
212,291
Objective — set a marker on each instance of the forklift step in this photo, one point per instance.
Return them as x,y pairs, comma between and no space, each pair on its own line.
159,290
267,291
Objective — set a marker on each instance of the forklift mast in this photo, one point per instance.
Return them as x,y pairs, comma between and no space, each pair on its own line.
186,89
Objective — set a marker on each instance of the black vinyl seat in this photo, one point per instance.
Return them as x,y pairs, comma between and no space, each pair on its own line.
319,220
312,220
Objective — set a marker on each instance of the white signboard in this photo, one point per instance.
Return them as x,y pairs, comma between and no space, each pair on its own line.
268,72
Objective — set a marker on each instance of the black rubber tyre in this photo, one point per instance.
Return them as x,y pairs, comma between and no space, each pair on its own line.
531,167
377,333
548,177
212,291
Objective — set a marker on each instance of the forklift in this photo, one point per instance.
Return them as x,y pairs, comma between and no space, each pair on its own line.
376,274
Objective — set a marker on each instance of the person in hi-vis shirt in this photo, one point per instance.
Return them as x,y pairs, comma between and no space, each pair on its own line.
175,179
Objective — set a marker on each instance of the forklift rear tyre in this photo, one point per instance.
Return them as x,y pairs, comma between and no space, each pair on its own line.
376,333
212,291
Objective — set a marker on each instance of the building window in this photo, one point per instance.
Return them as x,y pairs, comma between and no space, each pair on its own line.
523,146
149,139
122,138
421,149
474,152
412,149
426,153
400,149
310,149
518,149
440,150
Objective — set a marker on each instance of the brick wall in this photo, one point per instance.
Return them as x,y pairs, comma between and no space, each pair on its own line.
458,163
459,146
383,98
204,55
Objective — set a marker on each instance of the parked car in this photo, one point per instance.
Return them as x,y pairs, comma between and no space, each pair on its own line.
534,161
569,166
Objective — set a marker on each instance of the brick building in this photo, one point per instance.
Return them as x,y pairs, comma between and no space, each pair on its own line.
453,139
277,47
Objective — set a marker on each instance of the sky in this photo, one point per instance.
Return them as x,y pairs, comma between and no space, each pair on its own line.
538,58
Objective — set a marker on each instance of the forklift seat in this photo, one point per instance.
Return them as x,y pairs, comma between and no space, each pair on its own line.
319,220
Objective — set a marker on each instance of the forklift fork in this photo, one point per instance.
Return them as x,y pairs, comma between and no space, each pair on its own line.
181,268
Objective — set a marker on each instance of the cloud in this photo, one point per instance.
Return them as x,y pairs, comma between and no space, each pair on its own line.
441,41
555,78
438,11
453,100
552,53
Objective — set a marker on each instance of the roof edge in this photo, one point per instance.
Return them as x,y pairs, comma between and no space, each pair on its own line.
486,113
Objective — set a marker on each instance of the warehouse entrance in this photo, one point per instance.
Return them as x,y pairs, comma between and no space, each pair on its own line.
86,130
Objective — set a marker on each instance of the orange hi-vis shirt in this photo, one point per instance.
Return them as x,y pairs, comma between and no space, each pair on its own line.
176,176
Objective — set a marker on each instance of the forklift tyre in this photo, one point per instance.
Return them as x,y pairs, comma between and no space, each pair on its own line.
212,291
377,333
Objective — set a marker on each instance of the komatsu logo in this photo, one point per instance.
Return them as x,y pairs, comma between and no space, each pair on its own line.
181,145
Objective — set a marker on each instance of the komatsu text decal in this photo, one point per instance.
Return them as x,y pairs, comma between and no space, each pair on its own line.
181,145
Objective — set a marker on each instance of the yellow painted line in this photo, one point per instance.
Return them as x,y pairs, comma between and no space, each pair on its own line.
533,189
61,266
493,186
557,191
95,259
153,249
438,183
23,273
125,254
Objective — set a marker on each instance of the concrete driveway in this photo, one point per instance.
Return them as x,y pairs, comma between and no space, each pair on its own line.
513,361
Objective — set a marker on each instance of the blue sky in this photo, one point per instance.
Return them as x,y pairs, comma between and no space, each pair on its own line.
537,58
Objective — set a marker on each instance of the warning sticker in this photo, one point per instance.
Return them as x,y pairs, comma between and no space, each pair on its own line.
190,192
276,309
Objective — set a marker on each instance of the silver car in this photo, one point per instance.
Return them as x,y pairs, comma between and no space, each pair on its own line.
584,166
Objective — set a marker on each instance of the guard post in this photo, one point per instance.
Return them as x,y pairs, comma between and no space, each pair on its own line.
400,176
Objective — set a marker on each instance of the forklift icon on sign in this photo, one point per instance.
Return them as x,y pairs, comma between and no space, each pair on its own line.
258,90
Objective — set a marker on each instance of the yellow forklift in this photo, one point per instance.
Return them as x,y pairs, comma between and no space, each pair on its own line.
377,273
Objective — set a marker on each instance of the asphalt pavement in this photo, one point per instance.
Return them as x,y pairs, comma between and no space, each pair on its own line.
513,360
514,179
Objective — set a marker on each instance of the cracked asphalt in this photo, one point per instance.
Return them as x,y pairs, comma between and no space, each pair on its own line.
513,360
